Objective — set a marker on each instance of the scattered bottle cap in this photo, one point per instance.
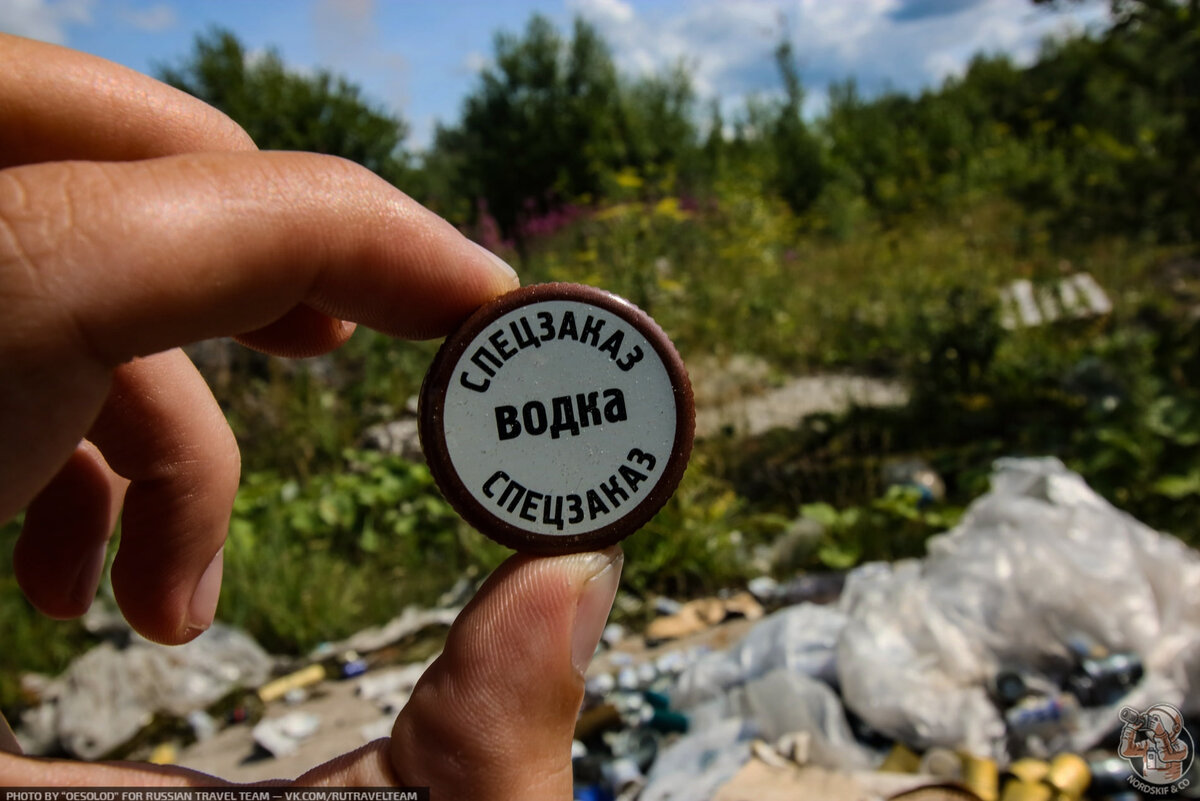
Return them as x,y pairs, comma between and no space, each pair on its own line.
558,418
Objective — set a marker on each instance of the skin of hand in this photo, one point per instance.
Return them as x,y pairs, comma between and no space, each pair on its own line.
135,219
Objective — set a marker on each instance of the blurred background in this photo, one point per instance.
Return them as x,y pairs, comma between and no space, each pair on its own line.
893,240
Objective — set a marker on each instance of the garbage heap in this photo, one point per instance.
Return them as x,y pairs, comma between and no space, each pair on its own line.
1013,662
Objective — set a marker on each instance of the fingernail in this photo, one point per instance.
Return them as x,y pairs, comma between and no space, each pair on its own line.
501,265
203,607
592,612
88,580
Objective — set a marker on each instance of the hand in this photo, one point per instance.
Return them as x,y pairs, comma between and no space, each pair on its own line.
135,219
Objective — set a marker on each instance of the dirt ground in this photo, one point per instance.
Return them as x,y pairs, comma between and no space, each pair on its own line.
230,753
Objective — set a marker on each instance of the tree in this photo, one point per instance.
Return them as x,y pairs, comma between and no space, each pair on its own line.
551,120
1136,86
798,170
283,109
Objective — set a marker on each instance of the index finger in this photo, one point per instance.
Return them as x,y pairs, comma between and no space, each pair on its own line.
57,103
139,257
102,262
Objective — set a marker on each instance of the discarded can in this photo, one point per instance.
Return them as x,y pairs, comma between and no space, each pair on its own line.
352,668
1008,688
982,776
1069,775
1110,776
1042,716
592,792
164,754
1101,682
1030,770
901,759
1017,790
657,700
668,721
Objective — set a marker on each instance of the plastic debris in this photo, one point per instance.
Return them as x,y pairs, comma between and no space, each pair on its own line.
397,438
695,767
916,474
801,638
202,724
613,634
383,683
411,621
696,616
377,729
299,679
295,696
1077,296
282,736
1036,561
109,694
163,754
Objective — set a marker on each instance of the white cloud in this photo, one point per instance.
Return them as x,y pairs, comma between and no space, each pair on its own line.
45,20
617,11
155,18
348,43
475,62
884,44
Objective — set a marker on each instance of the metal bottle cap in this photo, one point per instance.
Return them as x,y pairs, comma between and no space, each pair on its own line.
558,418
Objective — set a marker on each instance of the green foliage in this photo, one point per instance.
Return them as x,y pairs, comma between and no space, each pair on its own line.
894,526
318,559
699,543
551,120
286,110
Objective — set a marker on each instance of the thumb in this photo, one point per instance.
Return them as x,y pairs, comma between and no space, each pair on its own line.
491,719
494,716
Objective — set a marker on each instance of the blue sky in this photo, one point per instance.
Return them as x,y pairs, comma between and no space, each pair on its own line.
419,57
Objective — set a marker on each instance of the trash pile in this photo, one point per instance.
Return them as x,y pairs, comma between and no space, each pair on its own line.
1048,647
131,697
114,691
1008,663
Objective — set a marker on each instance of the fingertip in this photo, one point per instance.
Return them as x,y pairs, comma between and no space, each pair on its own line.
494,716
503,274
59,556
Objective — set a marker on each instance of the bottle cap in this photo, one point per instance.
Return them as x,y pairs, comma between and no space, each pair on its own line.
558,418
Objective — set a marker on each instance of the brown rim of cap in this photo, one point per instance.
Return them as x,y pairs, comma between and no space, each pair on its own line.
433,438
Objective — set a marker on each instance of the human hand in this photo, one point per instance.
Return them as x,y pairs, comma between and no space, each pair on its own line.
135,219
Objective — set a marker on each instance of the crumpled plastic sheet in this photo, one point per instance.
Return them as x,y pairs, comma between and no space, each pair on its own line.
694,768
1038,563
799,638
108,694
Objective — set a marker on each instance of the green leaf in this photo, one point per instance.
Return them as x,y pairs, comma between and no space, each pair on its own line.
821,513
839,556
1177,487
